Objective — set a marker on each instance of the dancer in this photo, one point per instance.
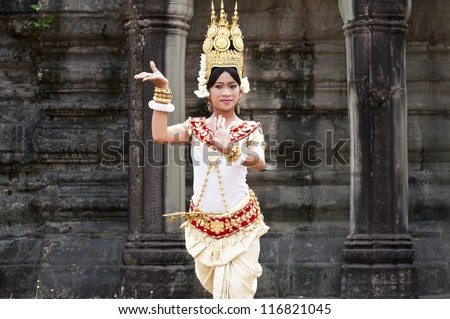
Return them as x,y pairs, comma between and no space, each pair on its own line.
224,222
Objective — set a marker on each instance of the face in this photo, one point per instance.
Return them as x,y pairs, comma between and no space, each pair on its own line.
225,93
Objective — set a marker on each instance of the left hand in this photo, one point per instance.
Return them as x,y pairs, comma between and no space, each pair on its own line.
220,136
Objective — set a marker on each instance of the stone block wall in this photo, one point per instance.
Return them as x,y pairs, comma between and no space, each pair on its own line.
64,193
63,205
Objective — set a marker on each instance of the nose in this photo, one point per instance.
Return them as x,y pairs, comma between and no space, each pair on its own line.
226,92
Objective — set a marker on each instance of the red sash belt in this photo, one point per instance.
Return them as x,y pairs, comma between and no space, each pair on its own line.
228,225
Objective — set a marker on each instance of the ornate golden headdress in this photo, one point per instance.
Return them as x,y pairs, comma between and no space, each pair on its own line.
223,47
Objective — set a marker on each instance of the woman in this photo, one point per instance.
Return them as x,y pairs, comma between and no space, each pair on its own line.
224,223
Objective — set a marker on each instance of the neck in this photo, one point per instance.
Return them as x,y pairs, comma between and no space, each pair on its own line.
229,116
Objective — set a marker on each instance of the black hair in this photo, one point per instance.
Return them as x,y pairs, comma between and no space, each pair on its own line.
217,71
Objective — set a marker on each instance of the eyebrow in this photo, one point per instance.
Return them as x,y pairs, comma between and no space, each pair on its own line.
226,82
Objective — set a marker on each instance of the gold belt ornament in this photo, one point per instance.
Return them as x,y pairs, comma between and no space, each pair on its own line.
219,227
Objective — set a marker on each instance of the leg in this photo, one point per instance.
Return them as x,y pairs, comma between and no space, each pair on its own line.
237,279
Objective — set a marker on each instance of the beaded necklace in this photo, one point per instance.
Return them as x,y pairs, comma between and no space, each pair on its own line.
213,165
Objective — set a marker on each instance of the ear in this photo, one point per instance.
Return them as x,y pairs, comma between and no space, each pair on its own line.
209,104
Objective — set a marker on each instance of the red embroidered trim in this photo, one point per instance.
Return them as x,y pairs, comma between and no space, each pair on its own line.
226,226
201,131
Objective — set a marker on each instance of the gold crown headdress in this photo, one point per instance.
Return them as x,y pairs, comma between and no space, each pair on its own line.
223,47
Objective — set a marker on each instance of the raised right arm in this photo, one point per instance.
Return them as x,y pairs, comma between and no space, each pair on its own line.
162,133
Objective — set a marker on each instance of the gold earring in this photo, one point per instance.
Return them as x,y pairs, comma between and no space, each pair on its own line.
238,110
209,105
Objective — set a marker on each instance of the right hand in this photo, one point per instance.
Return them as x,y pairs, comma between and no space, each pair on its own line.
220,136
156,77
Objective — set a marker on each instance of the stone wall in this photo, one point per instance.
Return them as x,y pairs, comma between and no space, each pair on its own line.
63,204
63,216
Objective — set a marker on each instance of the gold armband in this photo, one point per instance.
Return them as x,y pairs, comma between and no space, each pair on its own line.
258,141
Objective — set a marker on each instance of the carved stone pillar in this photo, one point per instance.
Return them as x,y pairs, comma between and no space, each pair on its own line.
378,252
154,256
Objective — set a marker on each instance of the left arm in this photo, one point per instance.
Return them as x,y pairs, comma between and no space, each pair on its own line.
255,155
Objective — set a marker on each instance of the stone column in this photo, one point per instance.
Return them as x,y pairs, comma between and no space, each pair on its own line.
378,252
154,255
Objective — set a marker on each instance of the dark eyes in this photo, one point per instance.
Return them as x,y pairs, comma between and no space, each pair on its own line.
219,87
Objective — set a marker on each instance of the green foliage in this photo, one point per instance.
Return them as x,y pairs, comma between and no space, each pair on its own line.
36,7
40,24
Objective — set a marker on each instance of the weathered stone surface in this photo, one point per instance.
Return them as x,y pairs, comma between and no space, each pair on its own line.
378,252
112,6
19,258
66,257
384,281
161,282
20,251
155,33
18,281
63,95
7,6
18,72
300,266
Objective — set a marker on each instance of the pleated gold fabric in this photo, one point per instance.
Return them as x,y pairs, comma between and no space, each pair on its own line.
227,267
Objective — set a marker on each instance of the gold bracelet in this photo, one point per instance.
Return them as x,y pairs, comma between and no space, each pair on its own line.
162,101
163,96
164,91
